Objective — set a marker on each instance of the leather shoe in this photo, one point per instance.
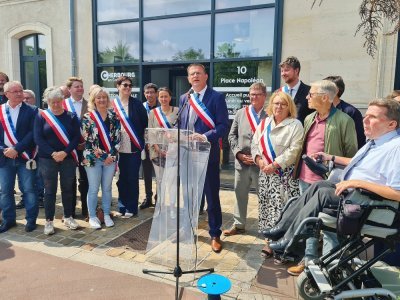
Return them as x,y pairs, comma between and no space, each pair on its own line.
30,227
216,244
274,233
146,204
297,270
7,225
233,231
279,245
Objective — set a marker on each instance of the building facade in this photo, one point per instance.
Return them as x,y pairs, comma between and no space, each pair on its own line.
43,42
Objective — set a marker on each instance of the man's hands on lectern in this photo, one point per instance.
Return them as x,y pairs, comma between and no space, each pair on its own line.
198,137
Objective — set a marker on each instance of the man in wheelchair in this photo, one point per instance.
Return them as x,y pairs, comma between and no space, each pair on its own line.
375,168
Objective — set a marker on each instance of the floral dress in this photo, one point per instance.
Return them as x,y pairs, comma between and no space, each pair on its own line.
92,140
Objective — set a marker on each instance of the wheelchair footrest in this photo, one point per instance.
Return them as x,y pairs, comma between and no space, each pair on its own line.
319,278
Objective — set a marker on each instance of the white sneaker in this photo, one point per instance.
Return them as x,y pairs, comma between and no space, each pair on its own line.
94,223
71,223
127,215
48,228
108,221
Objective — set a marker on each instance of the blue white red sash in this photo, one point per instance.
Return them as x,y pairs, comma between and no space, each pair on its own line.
266,144
161,118
201,111
59,130
253,118
9,130
285,89
102,129
69,106
124,119
147,107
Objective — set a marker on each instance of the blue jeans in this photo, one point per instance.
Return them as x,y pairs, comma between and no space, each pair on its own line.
128,182
8,173
97,174
50,169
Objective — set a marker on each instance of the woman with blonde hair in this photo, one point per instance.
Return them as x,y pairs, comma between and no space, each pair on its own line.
102,134
275,147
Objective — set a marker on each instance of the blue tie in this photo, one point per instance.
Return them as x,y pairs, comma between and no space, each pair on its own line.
353,162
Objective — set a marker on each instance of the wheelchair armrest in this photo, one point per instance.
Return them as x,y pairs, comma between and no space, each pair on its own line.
371,195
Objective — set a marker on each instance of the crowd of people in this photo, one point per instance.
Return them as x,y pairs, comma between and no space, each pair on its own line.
267,137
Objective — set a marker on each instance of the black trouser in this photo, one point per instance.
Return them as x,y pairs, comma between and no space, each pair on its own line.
147,167
83,187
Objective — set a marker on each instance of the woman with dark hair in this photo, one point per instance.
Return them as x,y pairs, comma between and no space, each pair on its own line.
102,134
133,118
163,116
57,134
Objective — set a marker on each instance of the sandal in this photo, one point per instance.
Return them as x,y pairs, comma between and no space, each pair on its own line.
267,252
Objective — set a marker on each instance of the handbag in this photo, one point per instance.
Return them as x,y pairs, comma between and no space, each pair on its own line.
349,219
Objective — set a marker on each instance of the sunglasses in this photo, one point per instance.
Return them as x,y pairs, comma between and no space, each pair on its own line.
126,85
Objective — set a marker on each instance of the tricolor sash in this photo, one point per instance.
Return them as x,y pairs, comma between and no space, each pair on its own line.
147,107
69,106
161,118
201,111
59,130
103,131
253,118
266,144
285,89
11,133
124,119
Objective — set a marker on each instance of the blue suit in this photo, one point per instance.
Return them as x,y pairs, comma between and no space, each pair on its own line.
216,105
10,167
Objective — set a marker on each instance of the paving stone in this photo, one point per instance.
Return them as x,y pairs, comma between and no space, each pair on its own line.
114,252
66,241
89,246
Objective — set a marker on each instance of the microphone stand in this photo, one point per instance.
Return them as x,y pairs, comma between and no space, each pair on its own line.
177,272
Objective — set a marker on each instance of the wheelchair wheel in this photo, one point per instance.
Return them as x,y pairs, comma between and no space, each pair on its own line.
308,289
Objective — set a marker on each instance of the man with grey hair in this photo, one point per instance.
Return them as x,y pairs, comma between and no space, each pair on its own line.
240,136
29,97
16,157
326,130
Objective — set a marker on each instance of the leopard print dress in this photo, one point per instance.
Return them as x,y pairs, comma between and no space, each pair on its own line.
270,199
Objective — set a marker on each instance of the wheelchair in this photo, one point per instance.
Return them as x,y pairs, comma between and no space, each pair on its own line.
340,274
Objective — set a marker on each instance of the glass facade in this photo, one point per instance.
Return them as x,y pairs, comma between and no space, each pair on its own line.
155,40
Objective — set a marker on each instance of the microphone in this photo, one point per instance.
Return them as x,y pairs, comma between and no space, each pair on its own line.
191,91
184,104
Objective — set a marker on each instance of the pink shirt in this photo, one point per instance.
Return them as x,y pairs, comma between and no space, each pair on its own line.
314,143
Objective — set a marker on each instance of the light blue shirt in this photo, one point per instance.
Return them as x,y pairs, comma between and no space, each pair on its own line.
382,162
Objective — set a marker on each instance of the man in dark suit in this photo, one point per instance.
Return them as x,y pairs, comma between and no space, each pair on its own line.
16,156
290,71
78,105
215,109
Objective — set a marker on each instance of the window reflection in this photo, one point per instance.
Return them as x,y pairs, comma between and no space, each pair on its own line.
219,4
42,44
28,46
109,75
168,7
244,33
117,10
118,43
177,39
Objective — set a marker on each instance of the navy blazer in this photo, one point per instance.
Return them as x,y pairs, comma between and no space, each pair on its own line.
302,103
24,130
216,105
139,119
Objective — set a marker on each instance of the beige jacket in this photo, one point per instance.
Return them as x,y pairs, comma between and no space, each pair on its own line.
286,138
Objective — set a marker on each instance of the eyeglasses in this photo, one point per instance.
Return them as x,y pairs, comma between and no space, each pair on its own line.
195,74
125,85
311,95
16,92
279,104
256,95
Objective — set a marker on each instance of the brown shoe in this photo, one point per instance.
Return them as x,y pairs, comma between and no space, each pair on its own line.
216,244
296,270
233,231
